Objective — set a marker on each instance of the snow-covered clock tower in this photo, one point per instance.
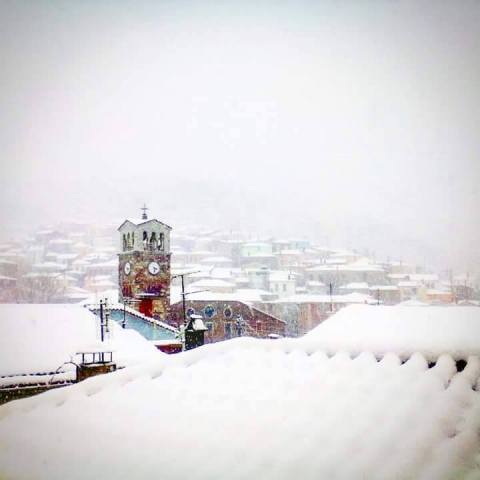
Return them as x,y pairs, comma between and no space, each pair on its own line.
144,265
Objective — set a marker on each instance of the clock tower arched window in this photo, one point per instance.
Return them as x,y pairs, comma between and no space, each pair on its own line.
153,241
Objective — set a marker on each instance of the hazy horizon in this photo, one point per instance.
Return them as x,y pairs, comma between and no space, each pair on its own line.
350,123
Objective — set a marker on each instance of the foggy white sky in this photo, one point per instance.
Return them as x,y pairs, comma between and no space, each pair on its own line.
349,122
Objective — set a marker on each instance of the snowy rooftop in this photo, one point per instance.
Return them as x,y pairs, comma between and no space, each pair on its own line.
321,298
225,273
253,409
392,288
140,221
9,279
291,251
402,330
257,244
423,277
281,276
216,260
6,262
409,284
355,285
245,295
211,283
39,338
201,253
359,266
50,266
60,241
110,264
413,302
398,276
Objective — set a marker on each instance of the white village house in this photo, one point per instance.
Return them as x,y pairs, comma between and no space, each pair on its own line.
373,392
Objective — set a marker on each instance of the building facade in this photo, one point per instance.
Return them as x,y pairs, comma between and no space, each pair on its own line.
228,319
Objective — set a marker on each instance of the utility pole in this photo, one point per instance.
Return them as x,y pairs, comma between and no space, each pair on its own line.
124,313
182,275
101,320
104,316
183,300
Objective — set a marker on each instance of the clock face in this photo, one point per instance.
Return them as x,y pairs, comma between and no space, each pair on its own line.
153,268
127,268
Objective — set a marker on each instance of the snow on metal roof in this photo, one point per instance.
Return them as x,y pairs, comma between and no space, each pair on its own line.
403,330
253,409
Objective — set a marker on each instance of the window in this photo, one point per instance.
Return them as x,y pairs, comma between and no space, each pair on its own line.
145,239
160,241
209,311
228,313
124,242
153,241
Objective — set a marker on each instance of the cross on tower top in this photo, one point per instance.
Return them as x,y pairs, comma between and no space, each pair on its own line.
144,214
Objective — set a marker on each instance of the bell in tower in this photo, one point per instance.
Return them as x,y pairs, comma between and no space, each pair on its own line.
144,265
